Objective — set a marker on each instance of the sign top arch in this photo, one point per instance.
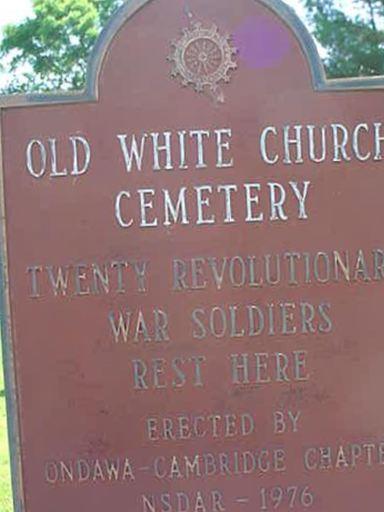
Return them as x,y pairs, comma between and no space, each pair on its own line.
283,11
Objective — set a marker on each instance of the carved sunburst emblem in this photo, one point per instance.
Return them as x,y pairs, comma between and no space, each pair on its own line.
203,58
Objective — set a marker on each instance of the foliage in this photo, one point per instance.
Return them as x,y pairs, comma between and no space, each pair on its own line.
5,479
50,50
354,42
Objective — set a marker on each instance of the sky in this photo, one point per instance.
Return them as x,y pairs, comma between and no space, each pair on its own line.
13,11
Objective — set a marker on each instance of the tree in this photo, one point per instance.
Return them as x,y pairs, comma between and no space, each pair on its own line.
49,51
353,38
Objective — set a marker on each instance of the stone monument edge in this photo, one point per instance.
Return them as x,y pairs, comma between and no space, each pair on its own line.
9,369
91,94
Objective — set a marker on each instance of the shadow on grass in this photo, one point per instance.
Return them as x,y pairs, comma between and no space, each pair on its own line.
2,393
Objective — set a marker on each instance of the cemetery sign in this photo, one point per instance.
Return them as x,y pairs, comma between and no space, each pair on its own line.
193,272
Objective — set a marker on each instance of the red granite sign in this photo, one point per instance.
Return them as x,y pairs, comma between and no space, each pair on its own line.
194,267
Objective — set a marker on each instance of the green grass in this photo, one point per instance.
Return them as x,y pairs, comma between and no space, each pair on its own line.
5,478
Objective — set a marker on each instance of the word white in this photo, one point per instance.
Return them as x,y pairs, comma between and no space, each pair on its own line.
157,151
